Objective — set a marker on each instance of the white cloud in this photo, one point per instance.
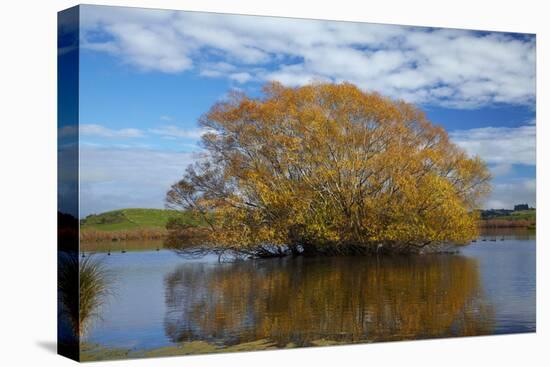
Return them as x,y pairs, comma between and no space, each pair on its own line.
166,131
240,77
112,178
172,131
499,145
502,148
501,169
455,68
506,195
105,132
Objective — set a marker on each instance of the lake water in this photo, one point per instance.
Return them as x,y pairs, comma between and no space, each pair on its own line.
161,299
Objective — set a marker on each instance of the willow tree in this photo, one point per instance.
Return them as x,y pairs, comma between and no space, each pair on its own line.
326,168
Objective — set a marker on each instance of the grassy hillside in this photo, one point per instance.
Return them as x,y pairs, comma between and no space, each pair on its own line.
130,219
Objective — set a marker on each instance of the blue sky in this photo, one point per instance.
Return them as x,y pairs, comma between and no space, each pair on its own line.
147,75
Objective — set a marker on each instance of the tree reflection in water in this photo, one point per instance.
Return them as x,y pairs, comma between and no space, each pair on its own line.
342,299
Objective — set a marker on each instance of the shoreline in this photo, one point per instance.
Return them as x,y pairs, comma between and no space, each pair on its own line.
490,235
153,239
95,352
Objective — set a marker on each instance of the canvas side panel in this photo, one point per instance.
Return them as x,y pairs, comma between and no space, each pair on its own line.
67,183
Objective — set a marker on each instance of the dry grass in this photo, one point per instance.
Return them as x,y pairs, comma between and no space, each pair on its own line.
83,285
116,246
67,285
94,288
145,234
507,223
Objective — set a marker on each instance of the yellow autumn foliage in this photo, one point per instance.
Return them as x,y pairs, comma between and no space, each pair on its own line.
328,168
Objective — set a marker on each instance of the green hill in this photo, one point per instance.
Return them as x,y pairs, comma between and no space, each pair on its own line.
130,219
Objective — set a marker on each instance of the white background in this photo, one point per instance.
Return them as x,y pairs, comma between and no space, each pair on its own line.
28,182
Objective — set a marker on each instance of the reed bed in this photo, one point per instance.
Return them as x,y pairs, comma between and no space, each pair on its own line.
118,246
143,234
507,223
